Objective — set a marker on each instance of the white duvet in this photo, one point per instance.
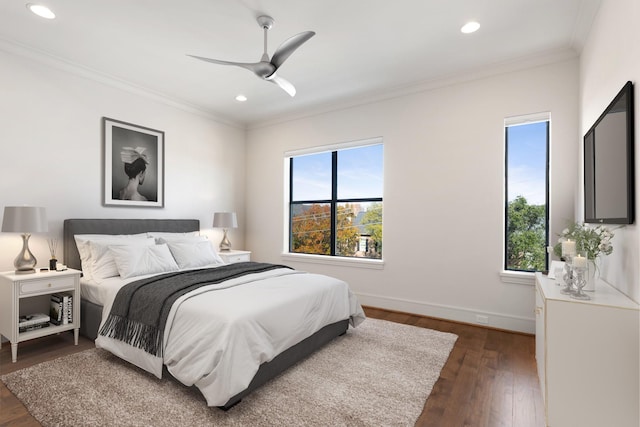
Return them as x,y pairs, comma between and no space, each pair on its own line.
217,336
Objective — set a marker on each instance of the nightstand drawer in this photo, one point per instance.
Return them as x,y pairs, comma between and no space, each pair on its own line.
31,287
233,256
237,258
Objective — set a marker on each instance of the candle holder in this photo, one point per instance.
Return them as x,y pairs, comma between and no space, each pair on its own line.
568,277
568,252
580,282
579,267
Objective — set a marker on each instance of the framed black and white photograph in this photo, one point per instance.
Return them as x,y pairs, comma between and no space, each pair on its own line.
133,165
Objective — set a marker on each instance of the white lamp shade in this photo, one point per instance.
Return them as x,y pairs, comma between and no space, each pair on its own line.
24,219
225,220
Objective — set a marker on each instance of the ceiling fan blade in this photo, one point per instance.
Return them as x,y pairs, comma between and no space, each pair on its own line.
283,83
289,46
266,69
251,66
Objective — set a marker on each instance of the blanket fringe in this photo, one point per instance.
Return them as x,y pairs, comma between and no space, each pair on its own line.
139,335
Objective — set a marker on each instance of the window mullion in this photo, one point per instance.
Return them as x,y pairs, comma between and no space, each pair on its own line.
290,204
334,198
506,198
548,205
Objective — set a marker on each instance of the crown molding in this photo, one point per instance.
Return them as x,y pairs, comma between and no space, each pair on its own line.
587,12
517,64
22,50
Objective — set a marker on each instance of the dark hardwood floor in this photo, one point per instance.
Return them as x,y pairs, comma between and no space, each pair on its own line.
489,380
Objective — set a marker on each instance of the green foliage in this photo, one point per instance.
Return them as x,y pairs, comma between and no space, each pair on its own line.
526,236
372,220
347,234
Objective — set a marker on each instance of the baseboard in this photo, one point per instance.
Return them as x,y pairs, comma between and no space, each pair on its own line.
457,314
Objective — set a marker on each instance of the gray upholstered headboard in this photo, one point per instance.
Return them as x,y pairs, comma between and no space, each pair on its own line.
117,226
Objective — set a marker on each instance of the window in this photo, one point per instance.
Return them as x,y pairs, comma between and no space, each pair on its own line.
335,201
527,193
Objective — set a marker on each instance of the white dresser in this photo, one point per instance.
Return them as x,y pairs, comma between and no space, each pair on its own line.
588,356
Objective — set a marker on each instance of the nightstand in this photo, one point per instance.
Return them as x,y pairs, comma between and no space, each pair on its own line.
235,256
23,294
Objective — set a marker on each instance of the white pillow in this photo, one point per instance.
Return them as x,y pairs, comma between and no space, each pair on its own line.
82,243
172,236
103,265
139,260
181,239
194,254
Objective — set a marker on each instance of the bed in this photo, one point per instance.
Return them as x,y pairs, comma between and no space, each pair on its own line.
219,389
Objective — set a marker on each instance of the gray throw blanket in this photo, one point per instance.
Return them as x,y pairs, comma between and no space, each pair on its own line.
141,308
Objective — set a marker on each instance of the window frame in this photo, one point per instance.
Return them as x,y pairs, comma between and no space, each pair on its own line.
510,274
334,202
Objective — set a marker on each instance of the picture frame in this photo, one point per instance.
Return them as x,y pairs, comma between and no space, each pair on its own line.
133,165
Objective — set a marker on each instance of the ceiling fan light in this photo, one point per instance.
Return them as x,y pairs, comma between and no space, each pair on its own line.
470,27
41,11
241,98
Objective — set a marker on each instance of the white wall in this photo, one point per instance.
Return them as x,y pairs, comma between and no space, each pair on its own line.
51,152
443,197
443,175
609,59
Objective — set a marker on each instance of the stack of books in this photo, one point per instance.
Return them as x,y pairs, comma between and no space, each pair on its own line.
61,312
31,322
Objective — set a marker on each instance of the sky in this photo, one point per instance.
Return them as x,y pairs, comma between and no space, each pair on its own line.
360,169
526,163
359,174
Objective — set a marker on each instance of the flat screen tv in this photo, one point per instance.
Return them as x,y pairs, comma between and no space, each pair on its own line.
609,163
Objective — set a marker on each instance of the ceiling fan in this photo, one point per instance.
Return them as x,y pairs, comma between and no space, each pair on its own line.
266,68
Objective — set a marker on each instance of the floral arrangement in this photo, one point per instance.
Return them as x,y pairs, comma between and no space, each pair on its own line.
595,241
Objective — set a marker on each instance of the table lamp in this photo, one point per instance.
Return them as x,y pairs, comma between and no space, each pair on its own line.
225,220
25,220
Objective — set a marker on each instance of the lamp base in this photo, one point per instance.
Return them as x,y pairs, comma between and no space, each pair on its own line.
25,262
225,244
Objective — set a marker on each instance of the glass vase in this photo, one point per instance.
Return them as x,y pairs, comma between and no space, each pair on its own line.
591,275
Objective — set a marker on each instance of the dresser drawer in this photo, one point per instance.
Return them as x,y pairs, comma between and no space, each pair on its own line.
31,287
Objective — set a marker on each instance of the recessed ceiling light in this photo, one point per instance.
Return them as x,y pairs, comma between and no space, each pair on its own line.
241,98
470,27
40,10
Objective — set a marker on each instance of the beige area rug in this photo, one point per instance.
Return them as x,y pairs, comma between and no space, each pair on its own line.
378,374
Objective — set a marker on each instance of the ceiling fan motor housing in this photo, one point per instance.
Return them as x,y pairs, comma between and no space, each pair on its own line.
265,22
